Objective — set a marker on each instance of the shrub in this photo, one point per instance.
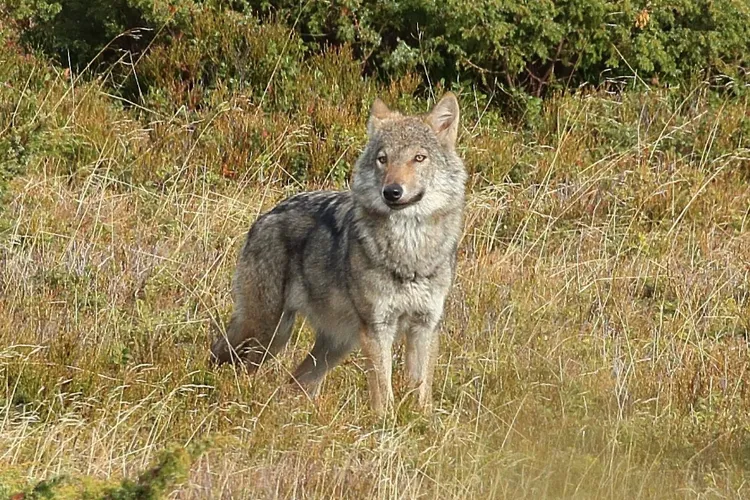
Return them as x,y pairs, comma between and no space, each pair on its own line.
225,48
76,31
21,135
530,44
521,47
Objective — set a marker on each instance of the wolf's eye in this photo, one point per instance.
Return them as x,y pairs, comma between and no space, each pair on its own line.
382,159
420,158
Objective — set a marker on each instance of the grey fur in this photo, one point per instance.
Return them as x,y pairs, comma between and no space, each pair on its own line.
362,272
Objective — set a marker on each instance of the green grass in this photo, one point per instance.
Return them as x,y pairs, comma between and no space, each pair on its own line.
595,344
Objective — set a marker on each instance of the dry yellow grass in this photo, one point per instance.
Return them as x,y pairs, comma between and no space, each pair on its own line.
595,344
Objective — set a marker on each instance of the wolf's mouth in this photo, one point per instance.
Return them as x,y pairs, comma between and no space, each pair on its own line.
400,205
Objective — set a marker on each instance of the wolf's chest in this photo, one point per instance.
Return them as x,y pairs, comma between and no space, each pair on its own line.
413,295
411,251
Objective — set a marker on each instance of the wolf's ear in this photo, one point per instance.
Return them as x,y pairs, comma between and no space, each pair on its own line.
379,112
444,120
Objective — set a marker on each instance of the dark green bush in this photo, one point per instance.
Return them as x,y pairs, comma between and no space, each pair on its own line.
522,48
75,31
530,44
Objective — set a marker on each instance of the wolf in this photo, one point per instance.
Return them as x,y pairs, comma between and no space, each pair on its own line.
366,267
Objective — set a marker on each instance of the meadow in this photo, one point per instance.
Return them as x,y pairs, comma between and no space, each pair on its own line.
595,344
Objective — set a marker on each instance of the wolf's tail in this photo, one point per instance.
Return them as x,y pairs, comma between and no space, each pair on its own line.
260,326
230,347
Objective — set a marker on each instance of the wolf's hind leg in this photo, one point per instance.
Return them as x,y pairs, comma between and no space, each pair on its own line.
325,354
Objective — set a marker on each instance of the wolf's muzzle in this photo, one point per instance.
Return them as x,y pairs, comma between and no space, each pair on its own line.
401,202
392,193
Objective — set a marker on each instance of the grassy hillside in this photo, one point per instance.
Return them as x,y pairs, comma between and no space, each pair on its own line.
595,345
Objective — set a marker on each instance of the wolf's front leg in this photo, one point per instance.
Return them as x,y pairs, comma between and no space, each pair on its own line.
421,352
377,344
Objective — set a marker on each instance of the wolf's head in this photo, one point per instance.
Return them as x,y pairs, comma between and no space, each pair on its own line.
410,163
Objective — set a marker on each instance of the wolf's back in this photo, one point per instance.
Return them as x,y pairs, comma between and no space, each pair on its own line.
312,218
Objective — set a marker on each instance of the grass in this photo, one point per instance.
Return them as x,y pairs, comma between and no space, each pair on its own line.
595,343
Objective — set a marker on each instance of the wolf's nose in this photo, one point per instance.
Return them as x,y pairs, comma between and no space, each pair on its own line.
393,192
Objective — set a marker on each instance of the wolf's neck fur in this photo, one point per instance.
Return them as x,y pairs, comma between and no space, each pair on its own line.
407,245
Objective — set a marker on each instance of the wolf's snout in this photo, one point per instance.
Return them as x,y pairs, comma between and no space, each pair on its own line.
393,192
